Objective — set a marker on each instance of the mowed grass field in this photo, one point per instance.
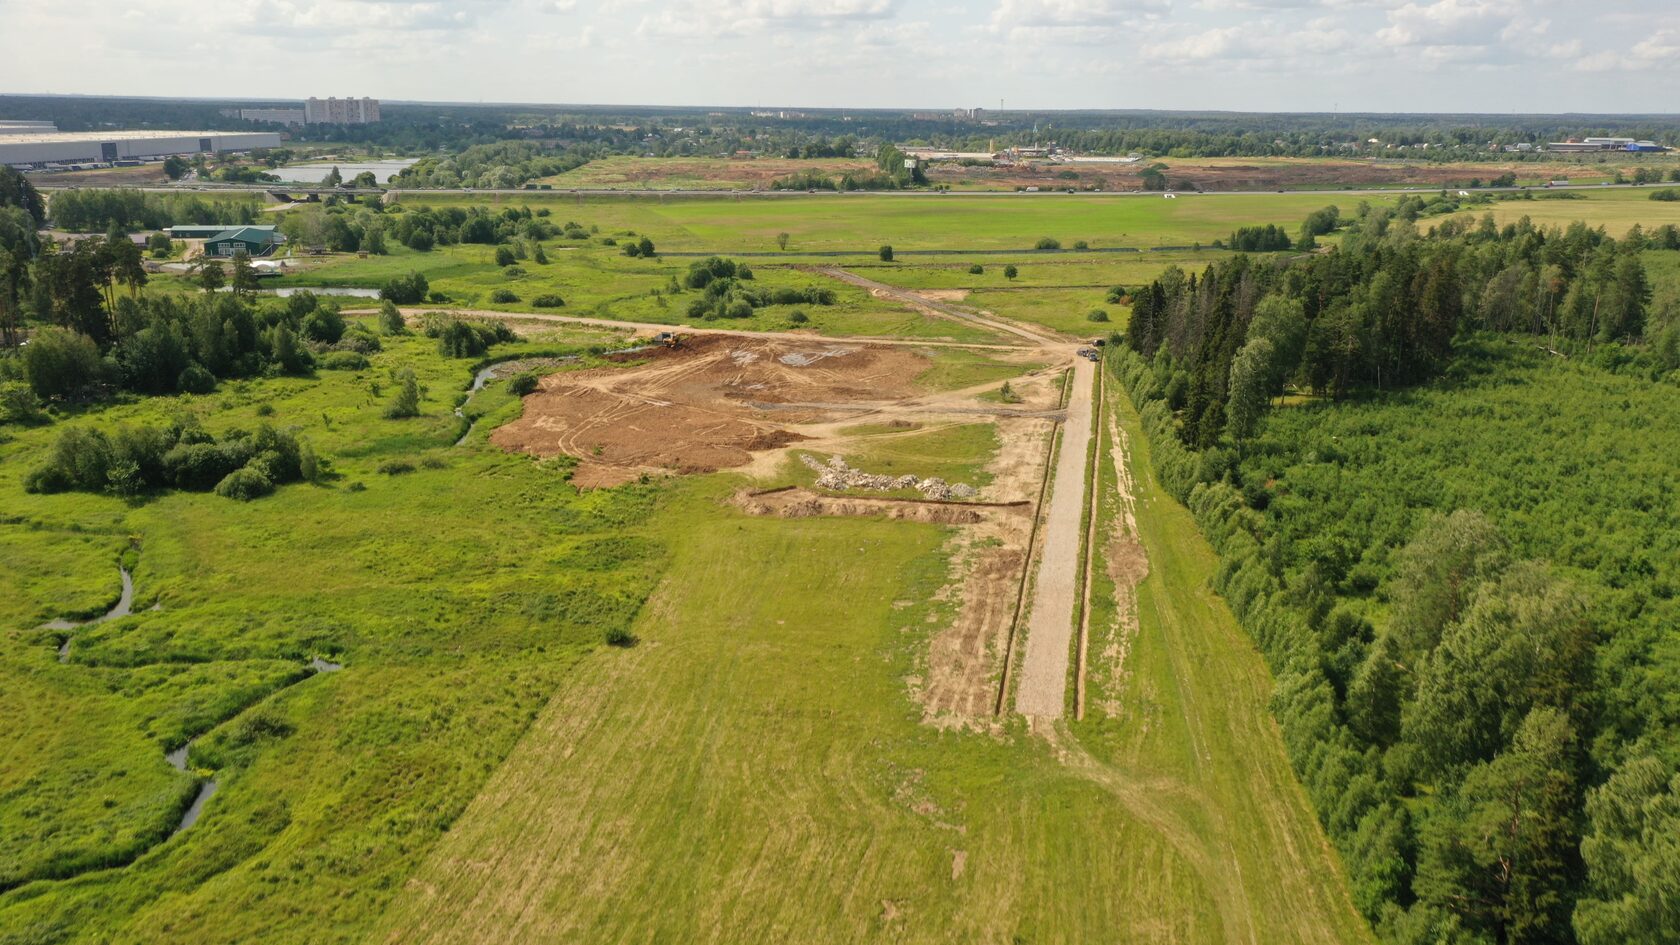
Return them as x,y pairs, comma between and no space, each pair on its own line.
862,222
1616,209
755,771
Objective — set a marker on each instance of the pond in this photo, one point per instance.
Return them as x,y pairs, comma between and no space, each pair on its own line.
383,171
286,292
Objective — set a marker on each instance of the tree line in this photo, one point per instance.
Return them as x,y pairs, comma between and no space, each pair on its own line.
1380,311
1471,722
127,210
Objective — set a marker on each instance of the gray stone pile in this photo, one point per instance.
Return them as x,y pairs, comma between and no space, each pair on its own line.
837,475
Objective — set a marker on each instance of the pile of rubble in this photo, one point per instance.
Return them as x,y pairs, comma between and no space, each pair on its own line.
836,475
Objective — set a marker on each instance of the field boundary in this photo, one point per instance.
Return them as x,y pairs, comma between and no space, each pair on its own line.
1093,513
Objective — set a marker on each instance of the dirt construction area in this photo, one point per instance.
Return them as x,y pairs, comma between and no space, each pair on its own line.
701,407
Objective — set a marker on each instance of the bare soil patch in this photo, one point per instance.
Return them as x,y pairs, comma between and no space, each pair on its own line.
957,686
803,503
1127,566
691,409
703,172
1229,175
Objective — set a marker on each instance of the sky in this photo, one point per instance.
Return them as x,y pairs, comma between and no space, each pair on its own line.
1245,55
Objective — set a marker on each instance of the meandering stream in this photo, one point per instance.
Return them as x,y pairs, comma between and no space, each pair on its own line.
123,607
489,373
177,758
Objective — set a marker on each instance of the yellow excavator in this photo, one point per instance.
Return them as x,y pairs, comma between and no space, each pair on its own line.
668,339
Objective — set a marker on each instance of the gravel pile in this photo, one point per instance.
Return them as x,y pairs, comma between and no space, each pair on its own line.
837,475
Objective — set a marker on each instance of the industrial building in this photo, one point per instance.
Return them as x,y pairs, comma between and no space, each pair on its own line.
315,111
1579,145
278,116
10,126
222,240
45,149
340,111
249,240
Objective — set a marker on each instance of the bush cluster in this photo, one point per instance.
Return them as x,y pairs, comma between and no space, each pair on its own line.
466,338
132,461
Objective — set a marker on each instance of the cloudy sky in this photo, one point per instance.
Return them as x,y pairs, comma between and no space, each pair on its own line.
1268,55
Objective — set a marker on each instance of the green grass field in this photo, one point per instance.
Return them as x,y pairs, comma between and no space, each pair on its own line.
755,772
1617,210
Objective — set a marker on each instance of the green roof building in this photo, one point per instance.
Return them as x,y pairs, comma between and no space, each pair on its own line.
250,240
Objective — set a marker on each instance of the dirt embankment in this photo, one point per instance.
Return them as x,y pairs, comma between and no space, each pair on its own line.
1229,175
692,409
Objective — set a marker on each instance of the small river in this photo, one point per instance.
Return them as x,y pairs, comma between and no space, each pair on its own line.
178,758
344,291
383,171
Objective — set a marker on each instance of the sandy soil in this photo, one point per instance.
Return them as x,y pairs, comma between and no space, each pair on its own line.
1234,175
1127,566
957,685
724,173
692,409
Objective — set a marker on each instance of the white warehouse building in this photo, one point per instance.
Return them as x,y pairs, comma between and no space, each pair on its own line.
106,147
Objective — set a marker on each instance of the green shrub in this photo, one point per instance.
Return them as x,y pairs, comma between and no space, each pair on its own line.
405,290
344,361
18,404
360,339
195,379
458,338
504,256
391,319
1081,244
503,296
620,637
886,253
514,272
406,403
976,270
324,324
396,467
1096,315
1666,195
798,317
1047,242
549,300
1010,272
521,384
61,363
244,484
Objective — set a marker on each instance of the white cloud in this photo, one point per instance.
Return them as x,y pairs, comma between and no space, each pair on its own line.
698,18
1448,23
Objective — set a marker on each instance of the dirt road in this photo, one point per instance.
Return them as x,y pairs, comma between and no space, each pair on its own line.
937,307
1042,686
655,327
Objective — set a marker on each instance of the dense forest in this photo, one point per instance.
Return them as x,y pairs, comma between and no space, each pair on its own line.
126,211
563,133
1380,311
1412,454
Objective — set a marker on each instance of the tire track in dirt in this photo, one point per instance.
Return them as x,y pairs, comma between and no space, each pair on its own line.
939,308
1142,797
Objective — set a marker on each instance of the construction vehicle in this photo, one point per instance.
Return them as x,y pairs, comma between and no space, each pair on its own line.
668,339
